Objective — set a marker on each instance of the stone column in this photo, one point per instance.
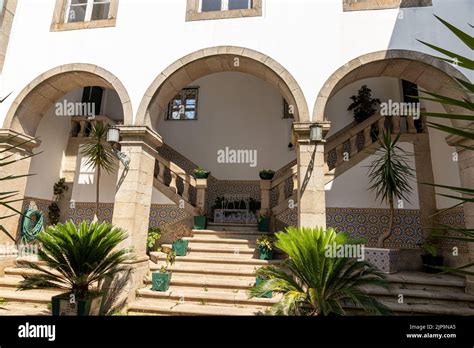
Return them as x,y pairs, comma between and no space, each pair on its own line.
424,174
9,227
311,170
466,176
68,172
201,187
133,197
265,186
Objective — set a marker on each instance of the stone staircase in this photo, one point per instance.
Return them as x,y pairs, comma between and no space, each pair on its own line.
213,279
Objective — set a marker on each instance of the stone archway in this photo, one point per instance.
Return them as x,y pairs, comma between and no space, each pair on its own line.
219,59
39,95
430,73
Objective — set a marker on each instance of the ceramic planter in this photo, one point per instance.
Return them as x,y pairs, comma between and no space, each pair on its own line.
202,175
265,254
385,260
160,281
67,305
264,224
268,294
266,176
430,260
180,246
200,222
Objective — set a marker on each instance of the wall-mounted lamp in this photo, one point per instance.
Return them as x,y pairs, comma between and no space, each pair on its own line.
316,133
113,138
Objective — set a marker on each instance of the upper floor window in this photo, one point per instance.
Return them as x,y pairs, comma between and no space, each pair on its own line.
225,5
84,14
222,9
87,10
184,105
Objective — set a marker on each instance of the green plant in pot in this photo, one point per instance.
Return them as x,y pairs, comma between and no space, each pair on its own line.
265,246
264,222
363,105
200,220
180,246
200,173
77,258
154,234
266,174
161,280
431,257
258,281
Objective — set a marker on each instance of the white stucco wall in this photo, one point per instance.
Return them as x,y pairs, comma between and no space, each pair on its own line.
351,189
310,38
238,111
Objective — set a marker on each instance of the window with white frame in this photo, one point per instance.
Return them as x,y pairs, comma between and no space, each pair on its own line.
224,5
184,105
86,10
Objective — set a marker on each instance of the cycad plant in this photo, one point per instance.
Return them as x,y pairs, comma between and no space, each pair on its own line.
99,155
312,282
389,176
465,134
77,257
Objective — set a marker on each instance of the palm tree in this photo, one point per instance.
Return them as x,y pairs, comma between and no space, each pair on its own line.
100,155
80,256
7,158
313,283
465,134
389,176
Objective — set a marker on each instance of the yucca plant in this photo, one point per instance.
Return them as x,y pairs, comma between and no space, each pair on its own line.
465,134
389,176
314,283
77,257
99,155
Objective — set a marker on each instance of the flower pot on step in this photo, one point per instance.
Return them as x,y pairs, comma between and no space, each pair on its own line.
265,254
160,281
268,294
180,247
430,262
200,222
264,224
385,260
70,305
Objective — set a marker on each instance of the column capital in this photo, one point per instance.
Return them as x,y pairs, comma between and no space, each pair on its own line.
301,130
23,142
140,136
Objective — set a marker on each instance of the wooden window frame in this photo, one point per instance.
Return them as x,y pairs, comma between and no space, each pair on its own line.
193,11
59,22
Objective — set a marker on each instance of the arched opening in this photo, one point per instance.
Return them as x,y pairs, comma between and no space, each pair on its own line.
351,145
237,108
59,107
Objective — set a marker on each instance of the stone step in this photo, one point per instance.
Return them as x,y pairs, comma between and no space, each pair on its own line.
409,294
428,282
169,307
252,235
216,259
232,226
207,268
229,241
427,309
209,281
217,249
185,295
10,281
24,309
42,296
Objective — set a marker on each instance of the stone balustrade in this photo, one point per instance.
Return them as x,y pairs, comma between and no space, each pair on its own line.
81,125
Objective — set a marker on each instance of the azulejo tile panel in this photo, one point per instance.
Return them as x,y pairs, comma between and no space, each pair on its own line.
369,224
85,211
163,215
453,218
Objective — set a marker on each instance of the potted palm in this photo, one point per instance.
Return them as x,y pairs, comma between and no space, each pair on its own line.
99,156
161,280
266,174
311,282
77,259
265,247
200,220
200,173
389,176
